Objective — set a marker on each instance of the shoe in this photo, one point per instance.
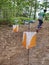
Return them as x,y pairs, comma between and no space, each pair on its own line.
37,30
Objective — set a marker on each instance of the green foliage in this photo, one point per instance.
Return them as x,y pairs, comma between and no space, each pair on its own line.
47,16
14,20
4,21
45,4
19,20
12,10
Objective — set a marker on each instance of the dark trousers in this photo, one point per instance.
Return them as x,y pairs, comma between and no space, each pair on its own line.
40,23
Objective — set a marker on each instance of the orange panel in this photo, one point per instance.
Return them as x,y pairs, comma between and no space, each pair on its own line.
24,40
15,29
32,42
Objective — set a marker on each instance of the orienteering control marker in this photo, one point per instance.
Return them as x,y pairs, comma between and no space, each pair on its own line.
15,28
29,39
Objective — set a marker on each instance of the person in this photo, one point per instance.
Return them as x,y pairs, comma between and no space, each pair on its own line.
40,19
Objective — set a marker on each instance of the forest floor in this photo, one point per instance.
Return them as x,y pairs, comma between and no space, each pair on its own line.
13,53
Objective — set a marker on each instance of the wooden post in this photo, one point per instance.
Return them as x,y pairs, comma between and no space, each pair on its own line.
28,56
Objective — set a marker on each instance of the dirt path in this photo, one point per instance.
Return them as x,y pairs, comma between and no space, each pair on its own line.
13,53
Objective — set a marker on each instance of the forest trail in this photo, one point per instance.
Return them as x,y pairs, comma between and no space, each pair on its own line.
13,53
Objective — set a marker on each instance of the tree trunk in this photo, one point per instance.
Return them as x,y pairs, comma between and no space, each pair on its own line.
30,12
35,8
